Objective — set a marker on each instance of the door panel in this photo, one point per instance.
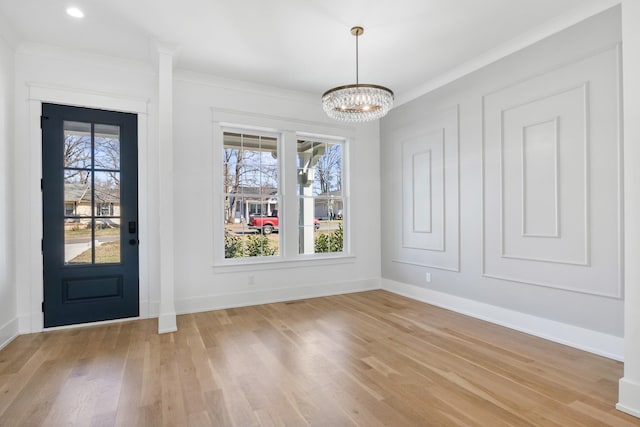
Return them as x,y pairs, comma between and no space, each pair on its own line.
89,190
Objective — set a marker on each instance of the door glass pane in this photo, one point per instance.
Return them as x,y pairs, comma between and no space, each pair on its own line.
92,193
107,244
77,145
107,194
107,147
77,241
77,193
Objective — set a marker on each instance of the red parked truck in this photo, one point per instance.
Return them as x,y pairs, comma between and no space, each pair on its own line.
268,224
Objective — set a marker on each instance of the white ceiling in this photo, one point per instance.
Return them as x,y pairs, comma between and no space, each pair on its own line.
301,45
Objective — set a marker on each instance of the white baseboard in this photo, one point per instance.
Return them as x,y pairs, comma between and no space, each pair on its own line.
31,323
268,296
595,342
167,323
629,397
8,332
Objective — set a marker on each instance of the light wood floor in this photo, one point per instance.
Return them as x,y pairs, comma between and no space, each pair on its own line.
367,359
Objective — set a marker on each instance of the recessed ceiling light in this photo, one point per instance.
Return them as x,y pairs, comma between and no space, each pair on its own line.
75,12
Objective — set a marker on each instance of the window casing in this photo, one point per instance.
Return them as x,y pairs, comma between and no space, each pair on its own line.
311,216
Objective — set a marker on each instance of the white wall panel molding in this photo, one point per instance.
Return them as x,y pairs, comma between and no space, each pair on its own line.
423,198
569,106
584,339
422,201
551,152
540,166
423,264
426,170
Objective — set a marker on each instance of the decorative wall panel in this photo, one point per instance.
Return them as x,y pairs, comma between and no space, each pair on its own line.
535,136
540,214
427,170
423,191
551,158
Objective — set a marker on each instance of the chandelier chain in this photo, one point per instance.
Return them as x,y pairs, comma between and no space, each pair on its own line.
357,80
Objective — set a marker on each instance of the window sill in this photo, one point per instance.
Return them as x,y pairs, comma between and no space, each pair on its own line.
282,264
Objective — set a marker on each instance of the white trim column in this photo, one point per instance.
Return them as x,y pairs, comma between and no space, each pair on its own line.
167,315
629,387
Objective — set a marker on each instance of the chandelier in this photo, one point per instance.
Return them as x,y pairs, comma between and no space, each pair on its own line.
357,102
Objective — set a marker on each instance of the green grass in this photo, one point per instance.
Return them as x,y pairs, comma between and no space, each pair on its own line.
86,232
106,253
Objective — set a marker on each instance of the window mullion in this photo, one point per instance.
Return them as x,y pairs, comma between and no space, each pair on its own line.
288,196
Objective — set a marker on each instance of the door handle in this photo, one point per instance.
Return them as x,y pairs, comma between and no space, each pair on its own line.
133,242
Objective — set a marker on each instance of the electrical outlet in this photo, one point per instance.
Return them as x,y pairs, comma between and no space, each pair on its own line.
252,279
427,277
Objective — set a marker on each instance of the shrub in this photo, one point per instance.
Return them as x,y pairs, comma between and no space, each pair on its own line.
332,242
232,246
255,245
258,245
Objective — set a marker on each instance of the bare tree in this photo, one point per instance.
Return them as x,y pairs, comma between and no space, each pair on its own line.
247,172
77,155
329,169
233,162
107,156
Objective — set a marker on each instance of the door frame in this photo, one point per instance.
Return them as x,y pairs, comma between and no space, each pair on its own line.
33,321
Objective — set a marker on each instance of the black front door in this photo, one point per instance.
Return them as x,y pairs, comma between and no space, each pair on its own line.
90,211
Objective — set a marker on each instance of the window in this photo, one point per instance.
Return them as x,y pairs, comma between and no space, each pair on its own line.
69,208
281,190
104,209
320,196
251,194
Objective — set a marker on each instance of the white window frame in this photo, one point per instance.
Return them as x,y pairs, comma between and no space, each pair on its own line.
289,131
268,133
345,186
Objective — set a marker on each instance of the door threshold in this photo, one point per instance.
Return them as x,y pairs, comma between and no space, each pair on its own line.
89,324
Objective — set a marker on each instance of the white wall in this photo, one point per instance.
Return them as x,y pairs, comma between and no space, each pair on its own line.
8,319
547,246
200,285
77,78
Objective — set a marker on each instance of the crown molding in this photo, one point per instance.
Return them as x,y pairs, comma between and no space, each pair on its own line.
549,28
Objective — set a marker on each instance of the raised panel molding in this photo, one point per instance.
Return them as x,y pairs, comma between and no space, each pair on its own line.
427,175
423,201
540,166
551,173
569,143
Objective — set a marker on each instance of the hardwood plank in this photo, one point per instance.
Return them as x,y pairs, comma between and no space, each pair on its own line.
364,359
